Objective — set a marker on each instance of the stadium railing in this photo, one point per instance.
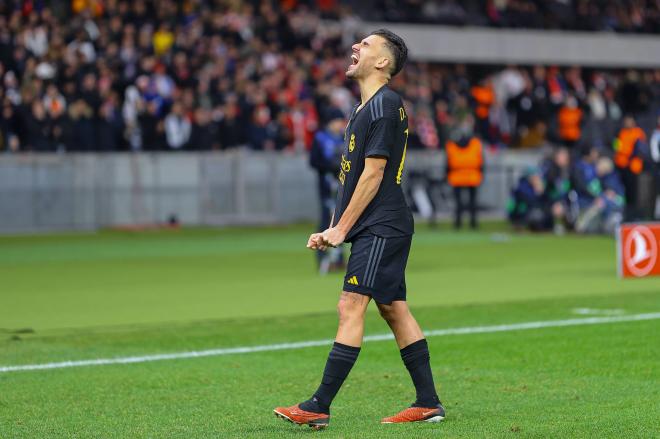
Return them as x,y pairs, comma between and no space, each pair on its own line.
44,192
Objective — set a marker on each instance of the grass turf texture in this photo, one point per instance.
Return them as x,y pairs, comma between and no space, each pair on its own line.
117,294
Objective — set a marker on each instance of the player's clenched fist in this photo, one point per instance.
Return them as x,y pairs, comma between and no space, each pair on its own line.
315,242
333,237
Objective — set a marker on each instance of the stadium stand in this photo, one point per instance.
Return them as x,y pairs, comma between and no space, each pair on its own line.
202,75
640,16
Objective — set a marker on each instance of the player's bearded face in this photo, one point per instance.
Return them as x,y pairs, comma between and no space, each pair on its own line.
363,57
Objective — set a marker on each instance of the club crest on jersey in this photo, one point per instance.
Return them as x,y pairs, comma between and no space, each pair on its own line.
345,169
351,143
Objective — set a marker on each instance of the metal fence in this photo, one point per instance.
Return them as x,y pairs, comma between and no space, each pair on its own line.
89,191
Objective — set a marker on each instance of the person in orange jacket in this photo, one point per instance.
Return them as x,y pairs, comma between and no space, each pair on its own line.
465,165
629,147
569,122
483,97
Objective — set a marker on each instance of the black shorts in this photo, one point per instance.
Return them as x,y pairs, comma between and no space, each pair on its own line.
377,267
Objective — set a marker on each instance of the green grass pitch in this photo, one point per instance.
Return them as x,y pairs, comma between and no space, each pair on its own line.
117,294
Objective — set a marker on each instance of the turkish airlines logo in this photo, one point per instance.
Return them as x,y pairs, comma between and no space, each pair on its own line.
640,251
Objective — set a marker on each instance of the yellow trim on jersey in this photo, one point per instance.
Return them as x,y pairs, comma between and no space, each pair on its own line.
403,159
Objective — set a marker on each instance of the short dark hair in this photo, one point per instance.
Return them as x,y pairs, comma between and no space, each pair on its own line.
397,46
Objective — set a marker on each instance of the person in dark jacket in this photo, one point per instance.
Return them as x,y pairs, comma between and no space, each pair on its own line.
325,158
556,176
37,128
231,129
528,207
204,134
80,133
584,178
613,195
151,127
109,127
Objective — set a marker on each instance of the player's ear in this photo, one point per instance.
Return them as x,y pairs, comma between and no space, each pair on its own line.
384,64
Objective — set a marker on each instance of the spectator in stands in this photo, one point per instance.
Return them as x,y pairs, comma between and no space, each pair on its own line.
587,186
484,98
231,130
80,133
152,53
556,176
53,101
177,127
110,126
8,124
569,122
530,120
37,128
613,196
204,134
655,143
465,167
426,128
443,120
655,157
526,208
163,39
151,127
600,195
262,131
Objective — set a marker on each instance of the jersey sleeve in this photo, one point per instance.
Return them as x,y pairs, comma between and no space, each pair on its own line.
382,129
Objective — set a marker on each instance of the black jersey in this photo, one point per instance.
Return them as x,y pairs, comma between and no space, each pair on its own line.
379,129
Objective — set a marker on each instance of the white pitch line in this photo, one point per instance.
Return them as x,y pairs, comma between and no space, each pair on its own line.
314,343
598,311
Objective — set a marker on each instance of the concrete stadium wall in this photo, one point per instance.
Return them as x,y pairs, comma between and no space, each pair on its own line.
88,191
517,46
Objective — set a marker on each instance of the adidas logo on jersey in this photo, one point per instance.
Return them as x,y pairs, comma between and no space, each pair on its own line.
353,280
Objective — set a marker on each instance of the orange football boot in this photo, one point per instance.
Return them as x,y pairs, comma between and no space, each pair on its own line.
296,415
417,414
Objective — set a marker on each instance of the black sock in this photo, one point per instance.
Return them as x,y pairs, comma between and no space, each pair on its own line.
340,361
418,362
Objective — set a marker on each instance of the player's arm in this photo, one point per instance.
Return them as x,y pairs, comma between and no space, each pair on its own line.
377,150
365,191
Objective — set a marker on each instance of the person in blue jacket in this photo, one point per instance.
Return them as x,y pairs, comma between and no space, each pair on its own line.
325,158
600,195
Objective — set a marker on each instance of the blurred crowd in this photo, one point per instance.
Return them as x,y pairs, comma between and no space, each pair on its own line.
166,75
201,74
591,190
583,192
589,15
533,106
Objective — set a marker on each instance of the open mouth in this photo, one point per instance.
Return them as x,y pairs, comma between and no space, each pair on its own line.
354,59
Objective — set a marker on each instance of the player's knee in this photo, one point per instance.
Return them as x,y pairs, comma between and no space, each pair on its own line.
350,308
346,311
393,313
387,313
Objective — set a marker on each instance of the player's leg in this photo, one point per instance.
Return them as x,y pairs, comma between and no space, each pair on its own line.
351,309
389,292
414,351
316,410
344,352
